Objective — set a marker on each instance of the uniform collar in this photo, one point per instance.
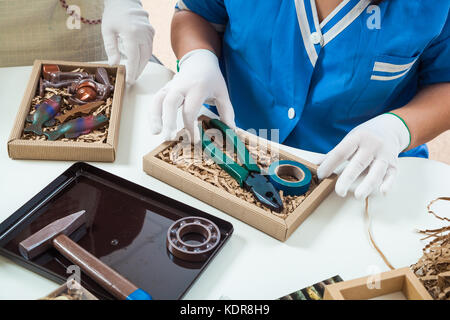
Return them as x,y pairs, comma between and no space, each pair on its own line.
315,35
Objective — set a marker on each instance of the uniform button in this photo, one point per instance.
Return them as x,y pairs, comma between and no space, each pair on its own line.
291,113
316,38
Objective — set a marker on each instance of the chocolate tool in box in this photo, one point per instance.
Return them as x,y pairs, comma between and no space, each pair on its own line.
82,86
249,174
79,110
56,235
44,114
88,93
75,128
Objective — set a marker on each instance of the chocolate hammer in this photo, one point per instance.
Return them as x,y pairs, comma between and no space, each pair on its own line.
56,235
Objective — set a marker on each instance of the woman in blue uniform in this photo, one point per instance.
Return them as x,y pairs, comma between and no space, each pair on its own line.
360,80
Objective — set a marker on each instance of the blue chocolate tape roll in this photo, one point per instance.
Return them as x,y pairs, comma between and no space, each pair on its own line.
293,169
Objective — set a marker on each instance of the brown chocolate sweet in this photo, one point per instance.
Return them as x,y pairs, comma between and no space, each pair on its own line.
73,76
88,90
53,77
192,238
87,83
101,75
48,70
86,94
83,86
43,84
56,235
79,110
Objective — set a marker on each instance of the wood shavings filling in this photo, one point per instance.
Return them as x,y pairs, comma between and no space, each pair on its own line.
433,269
70,294
188,159
95,136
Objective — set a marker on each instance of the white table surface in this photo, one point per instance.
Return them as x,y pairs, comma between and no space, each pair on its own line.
252,265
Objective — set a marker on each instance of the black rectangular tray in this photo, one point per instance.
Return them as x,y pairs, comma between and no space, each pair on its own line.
126,229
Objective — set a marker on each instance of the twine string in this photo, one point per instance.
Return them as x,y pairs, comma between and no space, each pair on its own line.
369,227
437,234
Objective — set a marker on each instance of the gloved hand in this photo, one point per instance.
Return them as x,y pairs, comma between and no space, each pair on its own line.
199,81
127,20
374,144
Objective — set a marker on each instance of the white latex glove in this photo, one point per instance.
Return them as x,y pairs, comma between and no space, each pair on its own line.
199,81
374,144
128,21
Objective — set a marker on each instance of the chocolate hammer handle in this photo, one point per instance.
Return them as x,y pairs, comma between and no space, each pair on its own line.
109,279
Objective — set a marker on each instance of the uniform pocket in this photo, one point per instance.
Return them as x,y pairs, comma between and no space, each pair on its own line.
390,68
386,75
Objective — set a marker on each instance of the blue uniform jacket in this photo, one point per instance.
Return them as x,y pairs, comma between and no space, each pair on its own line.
314,82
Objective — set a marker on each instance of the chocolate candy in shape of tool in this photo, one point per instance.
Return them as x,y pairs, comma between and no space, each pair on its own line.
78,110
52,77
300,177
56,235
86,94
89,90
86,90
77,127
45,112
41,241
192,238
49,70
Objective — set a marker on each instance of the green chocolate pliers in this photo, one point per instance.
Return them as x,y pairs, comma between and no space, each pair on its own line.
249,174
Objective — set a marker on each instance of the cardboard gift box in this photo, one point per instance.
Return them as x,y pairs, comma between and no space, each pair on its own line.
399,284
19,148
275,226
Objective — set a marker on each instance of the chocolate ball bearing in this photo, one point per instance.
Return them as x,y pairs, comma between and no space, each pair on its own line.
86,91
192,238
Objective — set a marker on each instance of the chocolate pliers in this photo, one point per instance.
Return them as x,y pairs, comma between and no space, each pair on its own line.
249,174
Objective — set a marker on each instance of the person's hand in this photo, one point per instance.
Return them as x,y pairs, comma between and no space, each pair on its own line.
128,21
199,81
375,145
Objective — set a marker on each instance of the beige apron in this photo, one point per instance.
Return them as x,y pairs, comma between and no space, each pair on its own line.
37,29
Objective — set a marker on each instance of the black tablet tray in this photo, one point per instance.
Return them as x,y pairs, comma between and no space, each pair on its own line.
126,229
